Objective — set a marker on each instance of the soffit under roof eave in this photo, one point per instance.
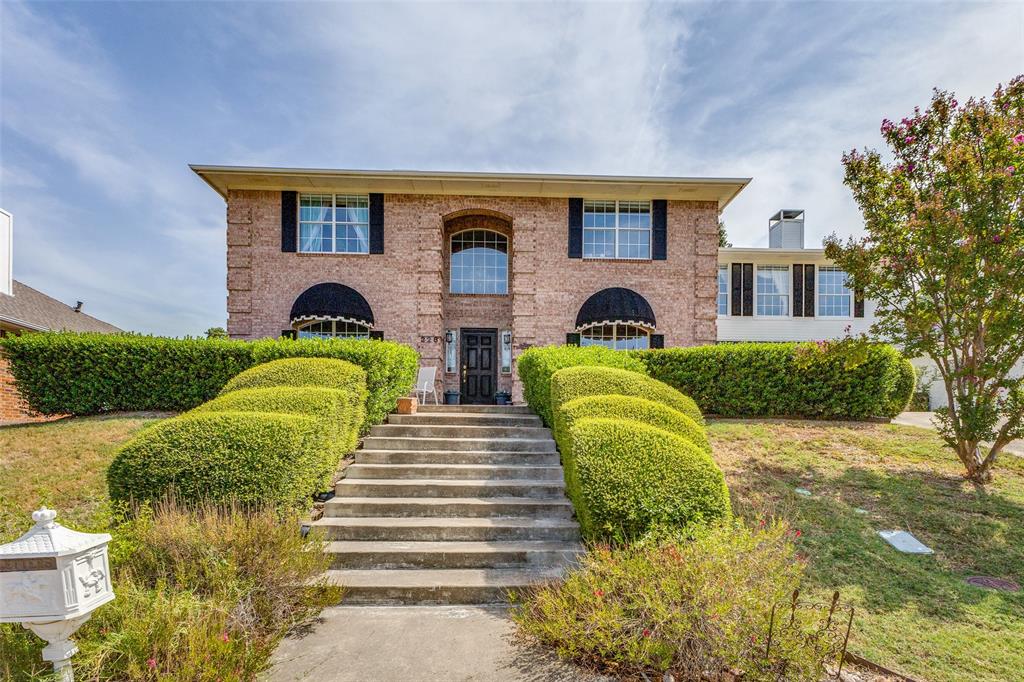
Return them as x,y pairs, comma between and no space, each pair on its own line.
721,190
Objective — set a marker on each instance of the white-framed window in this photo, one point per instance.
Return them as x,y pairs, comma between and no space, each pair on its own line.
617,229
723,290
479,262
772,288
835,299
334,223
329,329
616,336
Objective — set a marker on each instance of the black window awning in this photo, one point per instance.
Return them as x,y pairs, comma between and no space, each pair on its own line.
616,304
332,301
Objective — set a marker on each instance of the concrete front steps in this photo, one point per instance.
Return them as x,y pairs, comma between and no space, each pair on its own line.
452,505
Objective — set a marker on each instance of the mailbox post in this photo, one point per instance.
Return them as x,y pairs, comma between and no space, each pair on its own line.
51,580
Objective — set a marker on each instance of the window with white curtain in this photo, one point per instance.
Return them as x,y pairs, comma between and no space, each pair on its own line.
772,288
617,229
479,262
329,329
616,336
835,299
334,223
723,289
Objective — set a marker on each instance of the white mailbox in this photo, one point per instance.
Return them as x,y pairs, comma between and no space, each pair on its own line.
51,579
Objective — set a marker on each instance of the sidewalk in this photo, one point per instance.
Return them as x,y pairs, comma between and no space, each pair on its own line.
399,643
924,420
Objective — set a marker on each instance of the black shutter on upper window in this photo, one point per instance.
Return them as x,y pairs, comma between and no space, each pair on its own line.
808,291
748,289
798,290
572,339
657,340
376,223
737,288
377,334
575,228
659,229
858,303
289,221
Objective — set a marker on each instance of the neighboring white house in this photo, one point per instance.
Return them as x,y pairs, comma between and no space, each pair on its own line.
790,293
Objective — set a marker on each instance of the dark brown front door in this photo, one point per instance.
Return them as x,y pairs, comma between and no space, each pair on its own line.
479,370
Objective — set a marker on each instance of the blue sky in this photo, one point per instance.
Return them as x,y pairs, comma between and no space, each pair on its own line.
104,105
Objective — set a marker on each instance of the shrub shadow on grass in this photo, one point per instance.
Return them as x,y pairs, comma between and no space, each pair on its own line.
972,532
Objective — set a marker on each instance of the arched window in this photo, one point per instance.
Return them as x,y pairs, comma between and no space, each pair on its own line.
616,336
479,262
327,329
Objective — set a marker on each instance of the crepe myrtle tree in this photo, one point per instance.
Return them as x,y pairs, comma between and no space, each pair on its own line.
944,257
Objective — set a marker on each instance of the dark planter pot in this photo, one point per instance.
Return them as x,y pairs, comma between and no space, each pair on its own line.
451,397
503,398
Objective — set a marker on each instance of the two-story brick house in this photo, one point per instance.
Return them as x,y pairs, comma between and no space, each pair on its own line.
472,268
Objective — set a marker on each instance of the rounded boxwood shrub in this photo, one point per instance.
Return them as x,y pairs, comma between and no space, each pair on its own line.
626,478
576,382
627,407
390,367
341,412
536,365
322,372
249,457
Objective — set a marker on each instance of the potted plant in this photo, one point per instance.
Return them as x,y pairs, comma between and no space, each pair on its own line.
451,397
502,398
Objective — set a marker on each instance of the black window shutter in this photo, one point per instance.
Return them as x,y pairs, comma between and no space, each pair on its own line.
572,339
289,221
575,228
377,223
737,288
289,334
748,289
659,229
657,340
858,303
798,290
808,291
377,334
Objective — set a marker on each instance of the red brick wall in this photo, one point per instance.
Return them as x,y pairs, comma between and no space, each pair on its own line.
12,407
406,286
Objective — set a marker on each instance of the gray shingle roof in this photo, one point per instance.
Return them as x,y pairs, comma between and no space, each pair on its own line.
36,311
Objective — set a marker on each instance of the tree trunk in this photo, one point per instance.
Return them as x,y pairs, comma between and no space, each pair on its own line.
979,469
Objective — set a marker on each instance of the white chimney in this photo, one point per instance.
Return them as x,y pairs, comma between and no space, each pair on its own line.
6,253
786,229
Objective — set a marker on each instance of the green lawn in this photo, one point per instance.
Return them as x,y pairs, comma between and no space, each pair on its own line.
62,465
914,614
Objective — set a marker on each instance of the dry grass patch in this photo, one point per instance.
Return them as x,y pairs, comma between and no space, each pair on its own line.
63,465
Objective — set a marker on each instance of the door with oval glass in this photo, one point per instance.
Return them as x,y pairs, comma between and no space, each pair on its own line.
479,366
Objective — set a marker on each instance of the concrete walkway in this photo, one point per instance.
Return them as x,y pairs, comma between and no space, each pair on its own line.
924,420
402,643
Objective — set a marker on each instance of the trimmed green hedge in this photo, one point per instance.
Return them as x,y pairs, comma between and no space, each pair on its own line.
576,382
903,392
764,379
249,457
390,367
630,408
626,478
274,436
70,373
341,411
536,365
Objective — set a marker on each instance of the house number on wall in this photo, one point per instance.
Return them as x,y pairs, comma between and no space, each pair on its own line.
431,339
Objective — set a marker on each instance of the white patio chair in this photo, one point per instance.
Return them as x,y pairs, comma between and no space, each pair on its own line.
425,384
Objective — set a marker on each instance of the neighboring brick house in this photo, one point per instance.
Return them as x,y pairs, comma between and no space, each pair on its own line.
472,268
25,310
